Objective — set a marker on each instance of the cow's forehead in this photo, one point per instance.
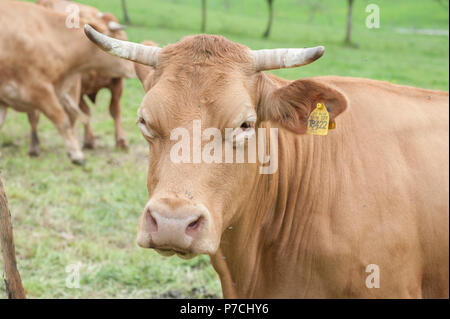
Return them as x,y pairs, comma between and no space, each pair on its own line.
212,50
201,77
168,106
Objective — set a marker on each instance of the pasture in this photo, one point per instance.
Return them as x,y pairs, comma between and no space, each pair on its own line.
65,214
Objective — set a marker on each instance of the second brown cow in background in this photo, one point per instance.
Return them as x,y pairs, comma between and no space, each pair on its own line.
92,82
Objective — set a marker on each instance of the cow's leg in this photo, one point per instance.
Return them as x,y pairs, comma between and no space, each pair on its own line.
70,100
73,116
33,148
51,107
116,88
89,139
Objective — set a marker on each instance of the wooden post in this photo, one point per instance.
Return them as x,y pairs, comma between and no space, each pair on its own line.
13,283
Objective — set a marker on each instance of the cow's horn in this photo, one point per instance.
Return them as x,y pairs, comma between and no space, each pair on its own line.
114,26
285,58
140,53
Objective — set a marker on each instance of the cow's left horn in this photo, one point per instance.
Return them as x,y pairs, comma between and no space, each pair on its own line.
114,26
272,59
140,53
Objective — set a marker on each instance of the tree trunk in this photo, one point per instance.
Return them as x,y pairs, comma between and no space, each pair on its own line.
226,5
13,283
269,24
125,12
348,37
203,16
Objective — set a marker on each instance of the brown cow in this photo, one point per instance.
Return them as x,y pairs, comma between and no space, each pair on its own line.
359,213
42,59
93,82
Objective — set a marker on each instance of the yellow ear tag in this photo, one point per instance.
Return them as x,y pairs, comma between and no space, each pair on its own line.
319,120
332,125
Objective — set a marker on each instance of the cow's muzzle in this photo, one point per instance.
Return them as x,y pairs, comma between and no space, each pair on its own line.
171,226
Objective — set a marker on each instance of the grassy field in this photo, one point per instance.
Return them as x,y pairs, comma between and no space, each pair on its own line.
65,215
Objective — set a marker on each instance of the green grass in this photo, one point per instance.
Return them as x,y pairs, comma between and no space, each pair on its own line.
64,214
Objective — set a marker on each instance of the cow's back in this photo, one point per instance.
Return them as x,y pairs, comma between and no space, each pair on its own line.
34,44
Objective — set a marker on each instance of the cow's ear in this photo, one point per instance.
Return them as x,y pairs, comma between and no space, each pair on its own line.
292,104
145,72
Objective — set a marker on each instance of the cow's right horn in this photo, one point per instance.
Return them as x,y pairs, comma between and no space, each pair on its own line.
272,59
139,53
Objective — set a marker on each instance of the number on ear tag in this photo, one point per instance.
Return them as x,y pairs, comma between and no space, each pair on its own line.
318,121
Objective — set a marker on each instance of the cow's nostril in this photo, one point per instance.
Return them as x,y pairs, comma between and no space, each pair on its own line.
153,222
193,226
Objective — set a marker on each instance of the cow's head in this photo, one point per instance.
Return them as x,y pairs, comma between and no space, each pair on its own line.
110,26
209,80
107,24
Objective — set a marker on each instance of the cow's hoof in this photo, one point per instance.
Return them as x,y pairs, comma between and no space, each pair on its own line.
122,144
90,145
79,162
77,158
33,153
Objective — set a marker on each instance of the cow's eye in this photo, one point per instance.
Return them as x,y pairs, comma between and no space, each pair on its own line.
245,131
144,128
249,123
245,126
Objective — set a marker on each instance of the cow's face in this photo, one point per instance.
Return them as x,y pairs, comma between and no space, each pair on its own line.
203,83
191,203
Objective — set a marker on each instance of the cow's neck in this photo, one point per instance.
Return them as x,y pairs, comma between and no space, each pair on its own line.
272,230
